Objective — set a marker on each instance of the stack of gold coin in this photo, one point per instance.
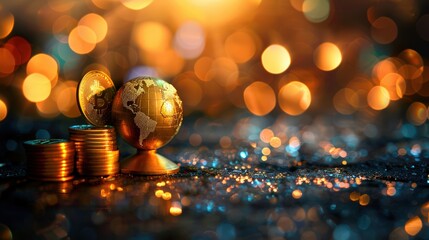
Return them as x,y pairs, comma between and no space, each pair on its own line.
96,151
50,159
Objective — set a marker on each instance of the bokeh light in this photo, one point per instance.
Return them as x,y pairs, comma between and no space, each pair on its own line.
152,36
97,24
384,30
417,113
7,62
82,39
136,4
189,90
259,98
266,134
7,22
44,64
189,40
20,49
36,87
48,108
327,56
3,110
316,10
294,98
346,101
202,67
65,97
276,59
378,98
413,226
240,46
395,85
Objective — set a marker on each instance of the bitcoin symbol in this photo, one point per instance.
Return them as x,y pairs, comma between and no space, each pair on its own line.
100,102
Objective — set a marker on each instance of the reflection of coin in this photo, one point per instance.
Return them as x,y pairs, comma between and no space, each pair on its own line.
95,96
53,179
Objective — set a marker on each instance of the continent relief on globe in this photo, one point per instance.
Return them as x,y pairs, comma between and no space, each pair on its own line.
156,111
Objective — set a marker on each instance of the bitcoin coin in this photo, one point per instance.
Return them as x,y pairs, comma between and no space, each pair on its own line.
97,153
95,96
91,129
50,159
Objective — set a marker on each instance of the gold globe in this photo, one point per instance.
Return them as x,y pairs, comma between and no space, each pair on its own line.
147,113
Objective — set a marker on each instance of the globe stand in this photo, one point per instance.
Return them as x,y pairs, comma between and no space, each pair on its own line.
148,162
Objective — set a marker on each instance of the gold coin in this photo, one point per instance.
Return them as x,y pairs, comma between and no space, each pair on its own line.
48,144
56,166
95,96
91,129
93,141
93,135
96,147
106,173
51,173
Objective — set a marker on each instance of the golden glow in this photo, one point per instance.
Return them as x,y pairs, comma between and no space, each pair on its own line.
36,87
266,134
384,67
275,142
168,63
3,110
413,226
294,98
297,4
266,151
45,65
417,113
240,46
276,59
7,62
354,196
159,193
166,196
327,56
202,67
167,109
7,22
346,101
297,194
97,24
62,26
189,90
395,85
175,209
213,12
412,57
384,30
48,108
259,98
82,39
378,98
136,4
364,200
159,40
65,97
225,72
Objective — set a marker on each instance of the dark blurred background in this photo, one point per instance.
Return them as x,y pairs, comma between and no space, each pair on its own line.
269,60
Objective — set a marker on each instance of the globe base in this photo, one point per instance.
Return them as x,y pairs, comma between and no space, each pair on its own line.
148,162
